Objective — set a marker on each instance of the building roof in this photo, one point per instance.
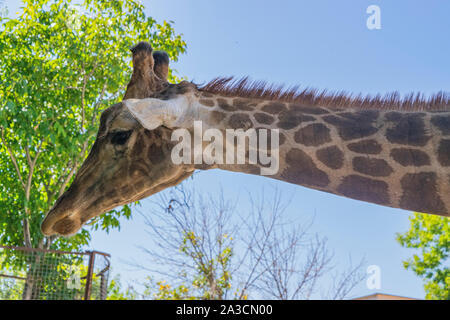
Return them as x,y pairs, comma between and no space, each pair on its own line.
383,296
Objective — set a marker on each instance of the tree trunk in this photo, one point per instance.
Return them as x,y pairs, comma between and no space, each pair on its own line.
33,282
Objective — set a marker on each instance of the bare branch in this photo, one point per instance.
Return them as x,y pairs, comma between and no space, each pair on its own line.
347,281
272,257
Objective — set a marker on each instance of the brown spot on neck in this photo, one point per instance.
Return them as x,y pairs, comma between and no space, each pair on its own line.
442,122
444,152
274,107
223,104
410,157
369,146
308,110
263,118
420,193
207,102
365,189
217,116
355,125
293,118
409,129
314,134
244,104
332,157
372,167
240,121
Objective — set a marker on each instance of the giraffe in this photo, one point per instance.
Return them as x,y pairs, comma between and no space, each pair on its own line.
387,151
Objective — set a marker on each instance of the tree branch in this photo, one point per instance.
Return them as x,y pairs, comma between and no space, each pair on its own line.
13,159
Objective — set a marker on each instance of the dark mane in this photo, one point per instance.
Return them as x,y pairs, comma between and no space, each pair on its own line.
246,88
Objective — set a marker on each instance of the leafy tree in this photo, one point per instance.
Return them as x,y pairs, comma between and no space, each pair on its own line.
10,288
115,291
212,279
61,64
430,236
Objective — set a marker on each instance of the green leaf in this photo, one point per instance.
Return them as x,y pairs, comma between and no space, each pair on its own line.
430,235
44,59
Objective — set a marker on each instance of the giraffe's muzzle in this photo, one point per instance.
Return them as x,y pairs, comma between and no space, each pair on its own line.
62,218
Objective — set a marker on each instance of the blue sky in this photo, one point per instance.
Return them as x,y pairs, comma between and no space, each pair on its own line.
321,44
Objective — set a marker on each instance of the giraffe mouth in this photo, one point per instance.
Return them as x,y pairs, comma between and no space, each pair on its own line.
56,225
65,226
68,214
80,204
66,223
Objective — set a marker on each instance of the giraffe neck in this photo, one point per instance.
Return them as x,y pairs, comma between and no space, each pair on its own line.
392,158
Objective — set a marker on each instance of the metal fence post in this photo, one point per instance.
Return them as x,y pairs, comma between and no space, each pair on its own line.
87,293
103,287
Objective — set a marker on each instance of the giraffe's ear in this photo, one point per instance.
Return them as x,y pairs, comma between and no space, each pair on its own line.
161,67
148,112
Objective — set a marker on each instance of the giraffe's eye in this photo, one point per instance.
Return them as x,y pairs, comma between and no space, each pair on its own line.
120,137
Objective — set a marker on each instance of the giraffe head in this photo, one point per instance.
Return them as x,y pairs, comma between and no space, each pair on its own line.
127,162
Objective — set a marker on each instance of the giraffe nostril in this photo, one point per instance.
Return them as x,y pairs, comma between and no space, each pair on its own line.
66,226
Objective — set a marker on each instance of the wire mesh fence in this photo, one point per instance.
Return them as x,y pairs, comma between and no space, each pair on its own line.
38,274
